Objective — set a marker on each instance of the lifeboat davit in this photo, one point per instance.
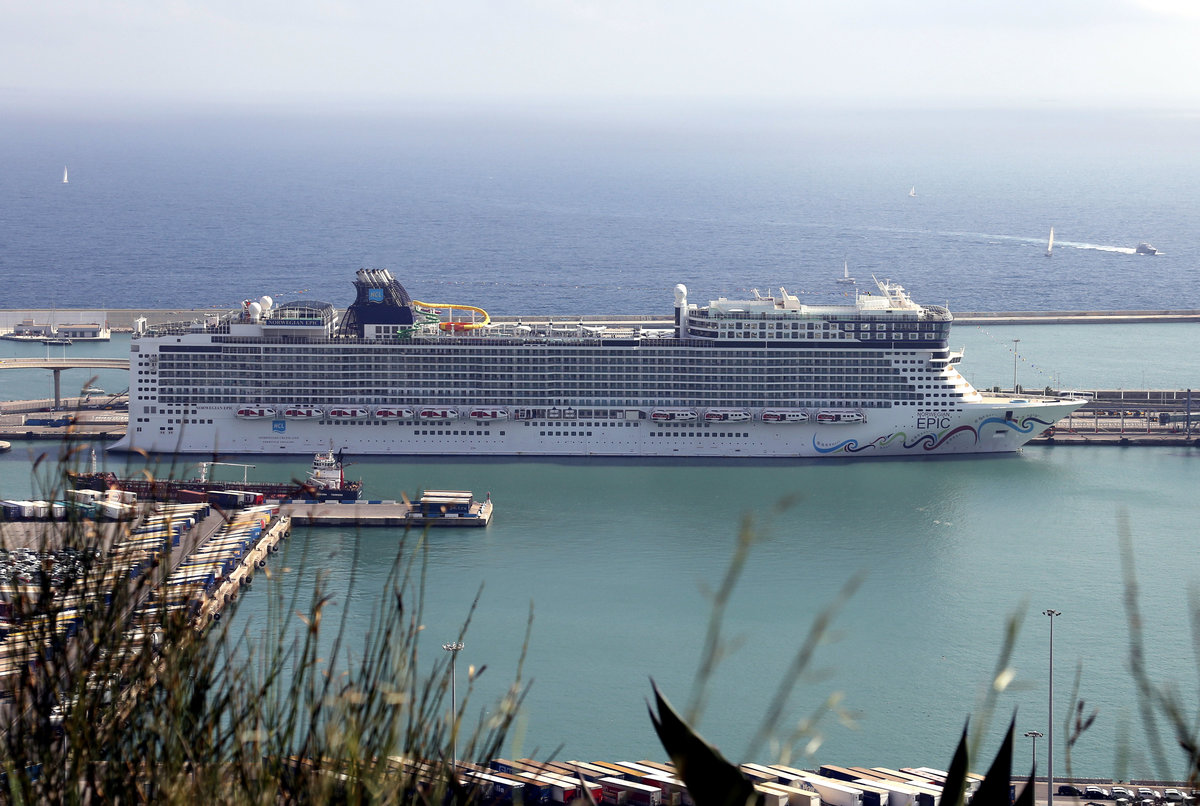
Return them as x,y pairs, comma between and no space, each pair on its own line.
785,416
255,412
348,413
488,414
434,413
673,415
831,416
301,412
395,413
726,415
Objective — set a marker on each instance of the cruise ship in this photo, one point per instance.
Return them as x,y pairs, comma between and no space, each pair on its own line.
767,376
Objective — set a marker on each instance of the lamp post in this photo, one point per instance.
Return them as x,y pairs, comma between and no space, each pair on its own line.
1035,735
453,648
1015,343
1050,716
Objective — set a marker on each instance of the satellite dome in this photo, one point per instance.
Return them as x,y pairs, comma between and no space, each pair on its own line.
266,303
255,311
680,294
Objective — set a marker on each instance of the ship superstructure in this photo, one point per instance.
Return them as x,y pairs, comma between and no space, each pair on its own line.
767,376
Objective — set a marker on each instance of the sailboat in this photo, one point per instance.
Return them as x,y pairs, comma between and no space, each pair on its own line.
846,279
913,192
64,174
1050,243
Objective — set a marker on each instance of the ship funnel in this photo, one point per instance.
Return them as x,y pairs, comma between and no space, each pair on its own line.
680,310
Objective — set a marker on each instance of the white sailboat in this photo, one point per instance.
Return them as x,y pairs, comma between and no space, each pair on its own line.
64,174
846,279
913,192
1050,243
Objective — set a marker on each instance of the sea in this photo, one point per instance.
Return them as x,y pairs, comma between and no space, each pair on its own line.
564,210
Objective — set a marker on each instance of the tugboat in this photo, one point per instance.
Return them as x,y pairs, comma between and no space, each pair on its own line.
1145,249
326,482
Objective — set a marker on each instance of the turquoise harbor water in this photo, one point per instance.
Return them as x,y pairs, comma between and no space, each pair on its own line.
615,558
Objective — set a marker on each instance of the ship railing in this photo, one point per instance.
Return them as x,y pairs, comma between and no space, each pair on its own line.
499,341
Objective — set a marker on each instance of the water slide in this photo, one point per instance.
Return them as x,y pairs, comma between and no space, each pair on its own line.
458,326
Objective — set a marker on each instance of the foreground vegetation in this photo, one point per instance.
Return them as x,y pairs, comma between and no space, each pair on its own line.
116,710
154,710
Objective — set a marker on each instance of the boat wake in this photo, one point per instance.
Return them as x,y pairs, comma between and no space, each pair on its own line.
992,238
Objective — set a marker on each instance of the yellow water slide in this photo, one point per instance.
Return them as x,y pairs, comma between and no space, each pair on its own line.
458,326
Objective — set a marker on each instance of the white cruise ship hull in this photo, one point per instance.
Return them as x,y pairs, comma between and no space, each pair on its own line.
768,376
995,426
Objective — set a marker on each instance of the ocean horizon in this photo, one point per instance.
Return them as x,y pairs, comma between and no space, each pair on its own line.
564,212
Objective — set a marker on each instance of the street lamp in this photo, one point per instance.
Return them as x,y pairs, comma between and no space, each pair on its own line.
1035,735
1050,719
454,647
1015,343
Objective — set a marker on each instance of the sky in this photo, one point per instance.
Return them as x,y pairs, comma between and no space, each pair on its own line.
870,53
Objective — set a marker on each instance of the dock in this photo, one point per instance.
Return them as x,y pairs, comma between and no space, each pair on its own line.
188,558
153,557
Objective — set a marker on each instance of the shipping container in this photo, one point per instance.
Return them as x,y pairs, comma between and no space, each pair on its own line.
834,793
673,789
795,796
927,795
619,790
899,792
496,787
770,794
938,777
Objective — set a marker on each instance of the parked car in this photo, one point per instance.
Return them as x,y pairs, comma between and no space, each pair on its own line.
1149,794
1069,790
1173,796
1122,792
1096,793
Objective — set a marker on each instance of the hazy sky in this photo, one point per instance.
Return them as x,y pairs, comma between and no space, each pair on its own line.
853,52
